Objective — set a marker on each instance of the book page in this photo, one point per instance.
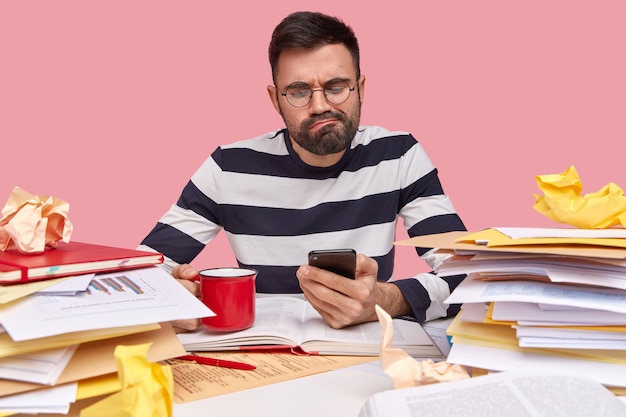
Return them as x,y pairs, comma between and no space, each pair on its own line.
495,395
364,338
278,321
288,320
316,329
281,316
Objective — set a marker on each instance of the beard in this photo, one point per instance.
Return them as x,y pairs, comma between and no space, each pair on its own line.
329,139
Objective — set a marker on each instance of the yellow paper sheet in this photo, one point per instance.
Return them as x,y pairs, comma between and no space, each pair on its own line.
93,359
495,238
194,381
504,337
563,202
489,317
97,386
459,241
10,293
147,387
9,348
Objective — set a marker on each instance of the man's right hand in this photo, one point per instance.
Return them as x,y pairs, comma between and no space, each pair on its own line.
186,274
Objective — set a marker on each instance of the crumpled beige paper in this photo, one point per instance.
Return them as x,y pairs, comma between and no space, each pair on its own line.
147,387
30,223
406,371
562,201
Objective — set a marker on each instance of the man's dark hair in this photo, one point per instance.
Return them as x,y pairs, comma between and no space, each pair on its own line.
309,30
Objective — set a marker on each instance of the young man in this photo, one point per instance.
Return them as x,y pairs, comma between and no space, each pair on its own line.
322,182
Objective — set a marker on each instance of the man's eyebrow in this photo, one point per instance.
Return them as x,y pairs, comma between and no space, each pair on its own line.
332,80
298,84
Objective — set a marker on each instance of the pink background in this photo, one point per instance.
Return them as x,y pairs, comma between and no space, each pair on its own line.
112,105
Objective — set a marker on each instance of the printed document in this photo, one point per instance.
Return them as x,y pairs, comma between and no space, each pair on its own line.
125,298
508,393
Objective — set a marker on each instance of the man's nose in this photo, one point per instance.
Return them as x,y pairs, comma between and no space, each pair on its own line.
318,104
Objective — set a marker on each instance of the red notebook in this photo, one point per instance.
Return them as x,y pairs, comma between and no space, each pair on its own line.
72,258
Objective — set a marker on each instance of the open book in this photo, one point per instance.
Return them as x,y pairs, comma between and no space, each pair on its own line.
291,321
495,395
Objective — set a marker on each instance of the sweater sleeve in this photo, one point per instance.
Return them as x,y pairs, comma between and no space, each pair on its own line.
427,209
426,294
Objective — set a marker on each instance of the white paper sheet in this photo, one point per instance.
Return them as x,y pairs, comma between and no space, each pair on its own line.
436,329
557,270
42,367
139,296
472,290
606,373
536,314
570,338
70,286
56,400
553,343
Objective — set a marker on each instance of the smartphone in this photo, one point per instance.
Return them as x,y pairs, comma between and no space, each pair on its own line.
339,261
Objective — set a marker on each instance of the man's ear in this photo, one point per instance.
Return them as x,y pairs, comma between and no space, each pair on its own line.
271,91
361,83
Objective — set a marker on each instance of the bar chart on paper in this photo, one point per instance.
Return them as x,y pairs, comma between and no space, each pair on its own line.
124,290
117,299
116,284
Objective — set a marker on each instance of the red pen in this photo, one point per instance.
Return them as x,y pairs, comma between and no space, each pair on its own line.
222,363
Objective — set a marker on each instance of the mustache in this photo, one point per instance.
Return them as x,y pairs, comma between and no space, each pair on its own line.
328,115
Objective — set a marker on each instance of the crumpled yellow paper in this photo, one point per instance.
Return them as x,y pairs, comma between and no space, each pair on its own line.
147,387
562,201
30,223
406,371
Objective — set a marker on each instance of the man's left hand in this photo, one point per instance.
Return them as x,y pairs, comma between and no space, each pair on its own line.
342,301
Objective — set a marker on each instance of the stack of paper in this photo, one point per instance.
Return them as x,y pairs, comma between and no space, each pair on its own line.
538,298
530,393
59,336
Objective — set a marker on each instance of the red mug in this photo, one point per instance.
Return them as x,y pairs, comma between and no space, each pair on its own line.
230,293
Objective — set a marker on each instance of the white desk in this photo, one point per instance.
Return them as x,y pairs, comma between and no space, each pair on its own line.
341,392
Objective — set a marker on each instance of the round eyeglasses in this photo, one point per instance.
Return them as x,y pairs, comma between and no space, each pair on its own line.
300,94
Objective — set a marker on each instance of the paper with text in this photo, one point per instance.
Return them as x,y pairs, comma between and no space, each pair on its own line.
193,381
43,367
530,394
474,290
132,297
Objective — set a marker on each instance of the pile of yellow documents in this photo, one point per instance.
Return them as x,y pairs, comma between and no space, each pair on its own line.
69,342
545,298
